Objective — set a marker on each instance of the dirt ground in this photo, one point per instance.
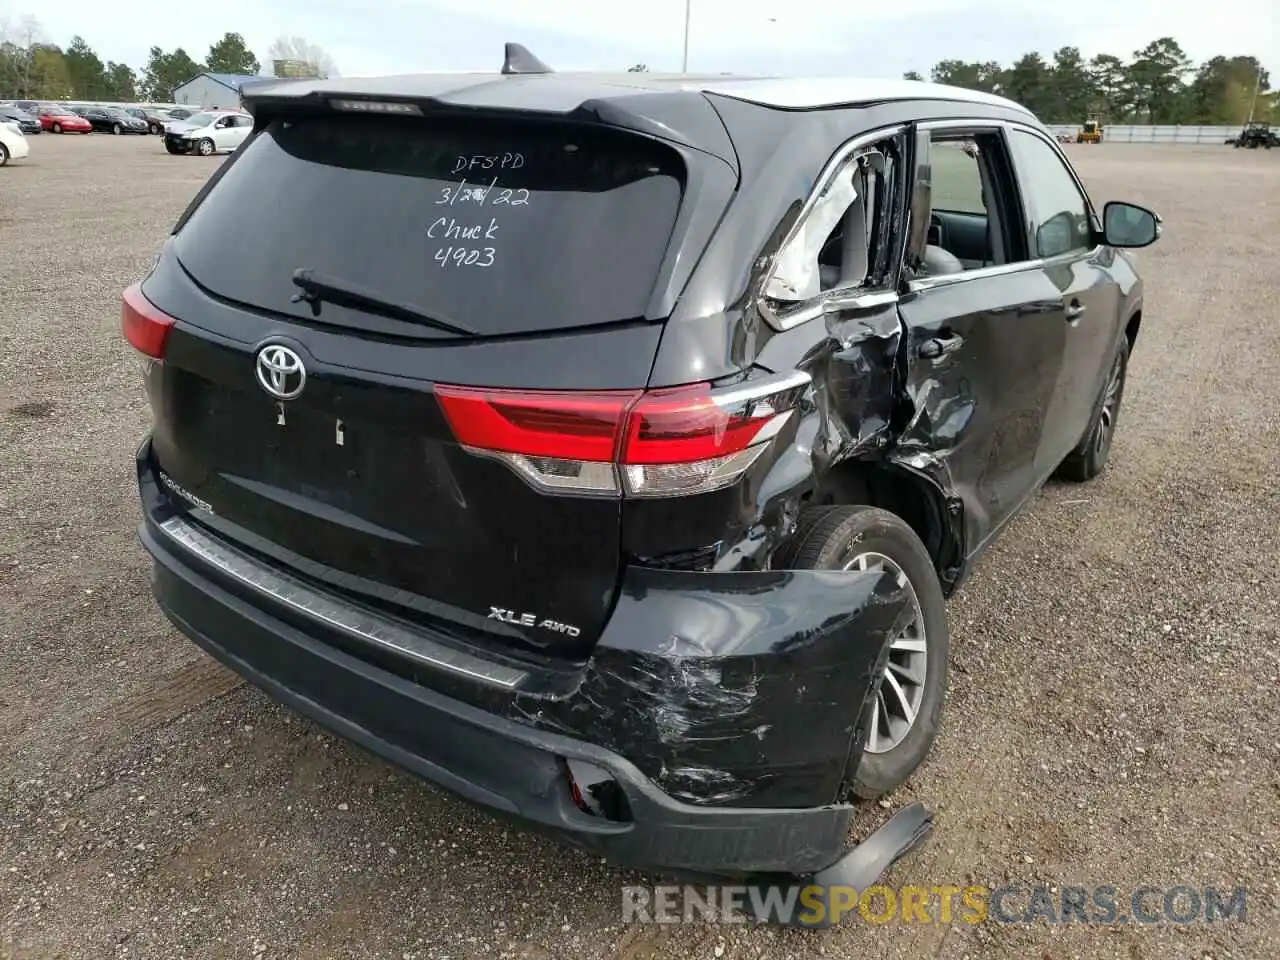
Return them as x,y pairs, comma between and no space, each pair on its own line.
1112,717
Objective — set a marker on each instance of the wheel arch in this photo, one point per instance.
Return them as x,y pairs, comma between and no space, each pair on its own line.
910,495
1131,327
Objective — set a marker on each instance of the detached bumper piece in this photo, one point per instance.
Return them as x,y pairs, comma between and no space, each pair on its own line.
707,736
857,870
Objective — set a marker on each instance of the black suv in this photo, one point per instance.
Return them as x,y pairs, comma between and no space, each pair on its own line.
602,448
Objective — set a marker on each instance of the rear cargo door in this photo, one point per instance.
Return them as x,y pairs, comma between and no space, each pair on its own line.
482,253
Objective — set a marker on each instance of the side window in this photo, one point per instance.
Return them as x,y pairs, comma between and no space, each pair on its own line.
967,217
838,244
957,180
1059,212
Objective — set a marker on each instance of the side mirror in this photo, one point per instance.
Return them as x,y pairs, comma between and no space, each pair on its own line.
1128,225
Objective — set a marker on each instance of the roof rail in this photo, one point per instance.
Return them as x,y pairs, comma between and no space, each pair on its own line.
519,60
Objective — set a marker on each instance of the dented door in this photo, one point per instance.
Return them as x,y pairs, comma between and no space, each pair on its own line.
983,357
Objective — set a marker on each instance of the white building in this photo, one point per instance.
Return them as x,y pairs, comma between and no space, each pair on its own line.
212,90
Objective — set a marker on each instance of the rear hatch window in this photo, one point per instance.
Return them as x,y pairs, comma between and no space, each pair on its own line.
504,227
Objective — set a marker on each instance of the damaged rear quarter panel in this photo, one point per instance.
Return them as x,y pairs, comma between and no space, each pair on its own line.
737,688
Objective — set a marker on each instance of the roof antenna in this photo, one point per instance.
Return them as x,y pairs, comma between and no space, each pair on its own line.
519,60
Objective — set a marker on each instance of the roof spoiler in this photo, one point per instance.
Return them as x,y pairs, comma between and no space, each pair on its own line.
518,59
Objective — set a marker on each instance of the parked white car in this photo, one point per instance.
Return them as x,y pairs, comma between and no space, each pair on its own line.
214,131
13,145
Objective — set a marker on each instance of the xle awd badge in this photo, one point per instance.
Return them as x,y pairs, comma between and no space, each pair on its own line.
531,620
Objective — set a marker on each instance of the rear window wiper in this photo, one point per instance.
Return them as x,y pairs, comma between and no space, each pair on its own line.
317,288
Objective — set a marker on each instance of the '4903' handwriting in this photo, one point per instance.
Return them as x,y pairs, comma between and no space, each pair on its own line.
464,257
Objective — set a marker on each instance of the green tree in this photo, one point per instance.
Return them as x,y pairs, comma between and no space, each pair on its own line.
85,70
18,42
1224,87
1072,93
638,68
50,79
164,71
1029,82
987,77
13,62
912,75
1110,84
120,82
230,55
1156,78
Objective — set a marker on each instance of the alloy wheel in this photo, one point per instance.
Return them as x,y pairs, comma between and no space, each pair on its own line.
1110,408
902,689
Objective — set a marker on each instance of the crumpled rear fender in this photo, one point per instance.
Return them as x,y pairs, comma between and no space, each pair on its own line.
742,688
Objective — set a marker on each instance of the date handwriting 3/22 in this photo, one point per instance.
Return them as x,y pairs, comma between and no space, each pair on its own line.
464,192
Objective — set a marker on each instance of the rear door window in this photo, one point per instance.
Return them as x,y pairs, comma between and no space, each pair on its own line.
504,226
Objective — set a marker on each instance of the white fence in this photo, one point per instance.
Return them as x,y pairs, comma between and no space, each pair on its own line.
1128,133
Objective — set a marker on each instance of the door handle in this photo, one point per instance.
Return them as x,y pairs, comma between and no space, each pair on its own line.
939,346
1075,310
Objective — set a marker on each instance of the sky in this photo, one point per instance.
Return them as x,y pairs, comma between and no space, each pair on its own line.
857,38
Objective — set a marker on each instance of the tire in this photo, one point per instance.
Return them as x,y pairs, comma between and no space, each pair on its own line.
205,147
56,128
116,129
4,154
833,538
155,129
1090,457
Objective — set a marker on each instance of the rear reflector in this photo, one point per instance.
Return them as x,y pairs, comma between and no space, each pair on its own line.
144,325
690,439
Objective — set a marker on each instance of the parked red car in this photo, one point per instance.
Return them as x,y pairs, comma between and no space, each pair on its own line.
62,120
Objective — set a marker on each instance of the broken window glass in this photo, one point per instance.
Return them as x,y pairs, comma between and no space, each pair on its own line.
831,246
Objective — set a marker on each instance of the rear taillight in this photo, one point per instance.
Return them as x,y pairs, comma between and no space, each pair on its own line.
144,325
690,439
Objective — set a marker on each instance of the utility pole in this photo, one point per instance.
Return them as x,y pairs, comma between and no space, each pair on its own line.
684,64
1253,104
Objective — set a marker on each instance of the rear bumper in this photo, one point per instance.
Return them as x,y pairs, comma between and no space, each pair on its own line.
695,738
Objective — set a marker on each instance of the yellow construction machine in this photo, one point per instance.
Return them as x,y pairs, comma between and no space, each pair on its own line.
1090,132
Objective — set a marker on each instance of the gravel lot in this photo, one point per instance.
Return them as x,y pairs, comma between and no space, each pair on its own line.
1111,719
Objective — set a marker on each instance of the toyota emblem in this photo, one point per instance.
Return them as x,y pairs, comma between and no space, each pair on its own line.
280,371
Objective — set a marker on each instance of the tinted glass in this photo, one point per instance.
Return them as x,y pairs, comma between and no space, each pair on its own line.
503,226
1059,211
